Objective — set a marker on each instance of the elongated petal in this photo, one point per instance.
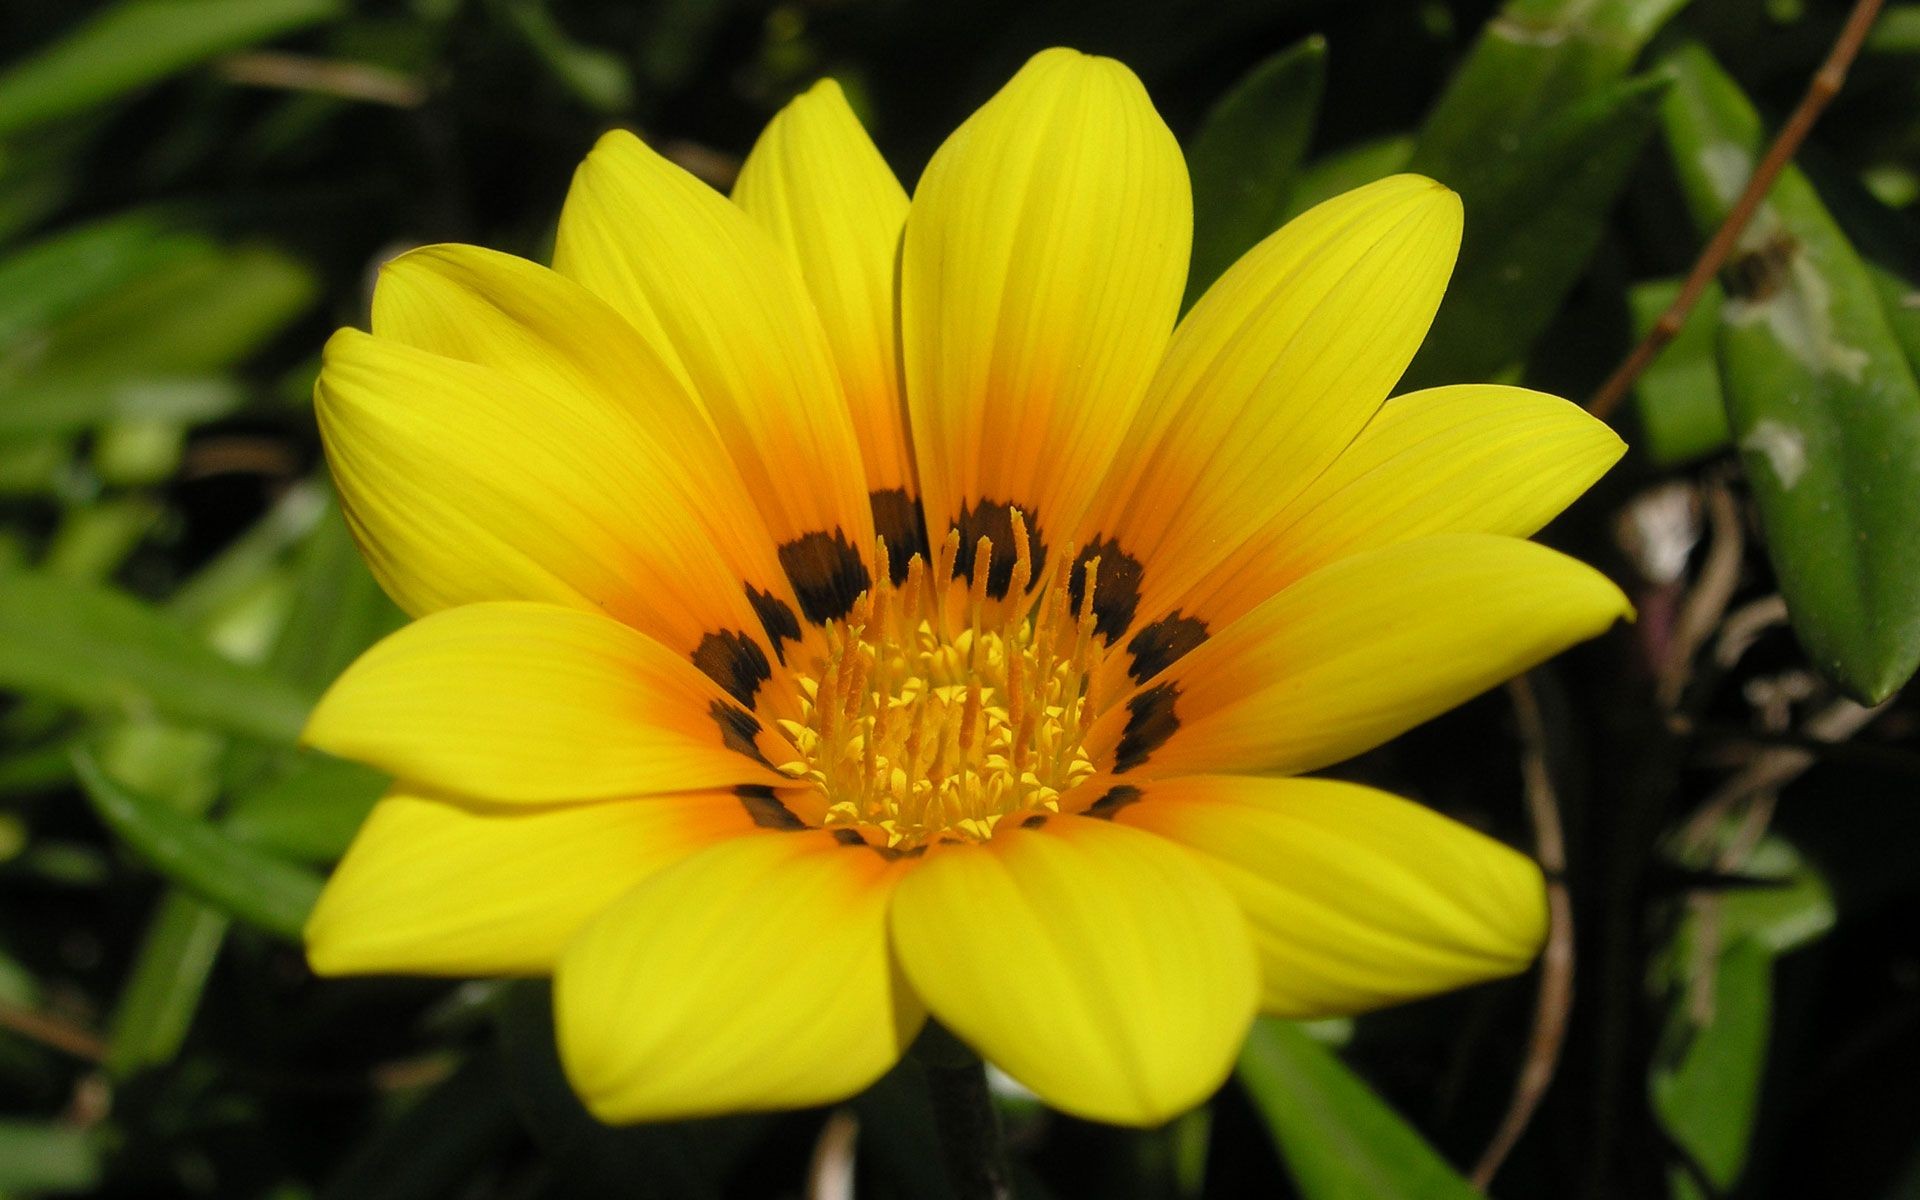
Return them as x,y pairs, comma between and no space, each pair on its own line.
465,484
1357,899
684,265
1104,969
1041,272
1270,376
534,703
815,182
1356,653
1476,458
432,885
754,975
694,546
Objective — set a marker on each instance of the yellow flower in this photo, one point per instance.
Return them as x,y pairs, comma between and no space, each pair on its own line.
697,716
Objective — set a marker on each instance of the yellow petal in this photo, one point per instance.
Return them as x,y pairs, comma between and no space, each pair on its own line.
1102,968
1357,899
519,702
1041,272
815,182
1355,653
754,975
431,885
1476,458
465,484
683,264
694,545
1279,365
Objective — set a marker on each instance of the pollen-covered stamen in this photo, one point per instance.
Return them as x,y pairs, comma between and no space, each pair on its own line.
939,710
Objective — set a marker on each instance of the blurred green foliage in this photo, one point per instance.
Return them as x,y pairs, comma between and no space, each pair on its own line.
193,192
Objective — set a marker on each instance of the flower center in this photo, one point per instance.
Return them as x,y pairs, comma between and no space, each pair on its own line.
939,712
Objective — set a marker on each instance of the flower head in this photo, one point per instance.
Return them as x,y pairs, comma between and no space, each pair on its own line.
835,610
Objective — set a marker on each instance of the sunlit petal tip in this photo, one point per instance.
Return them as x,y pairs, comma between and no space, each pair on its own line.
432,885
533,703
1357,898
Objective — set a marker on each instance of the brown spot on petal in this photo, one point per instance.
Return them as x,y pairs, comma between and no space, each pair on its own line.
738,729
994,520
1116,595
735,662
776,616
1150,722
1115,799
827,573
1163,643
897,518
765,807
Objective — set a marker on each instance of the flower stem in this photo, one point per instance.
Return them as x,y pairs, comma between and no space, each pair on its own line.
971,1143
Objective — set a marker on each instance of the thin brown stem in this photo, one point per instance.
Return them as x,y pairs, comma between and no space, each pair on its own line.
1555,999
1821,90
52,1031
362,82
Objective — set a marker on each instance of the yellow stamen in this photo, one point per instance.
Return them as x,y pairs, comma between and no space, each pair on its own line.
916,731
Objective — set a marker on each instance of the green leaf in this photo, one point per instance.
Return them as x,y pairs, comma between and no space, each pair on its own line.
1797,907
1532,60
597,78
236,878
67,405
1340,1141
1706,1081
1682,413
1821,399
57,276
46,1158
137,42
191,315
1533,219
1245,156
311,812
1346,169
157,1004
339,610
1538,133
103,650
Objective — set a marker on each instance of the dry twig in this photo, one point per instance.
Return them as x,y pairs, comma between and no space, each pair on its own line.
1708,600
52,1031
1821,90
1555,999
323,76
1773,769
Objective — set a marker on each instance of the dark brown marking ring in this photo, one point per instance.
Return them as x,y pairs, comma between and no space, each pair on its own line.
735,662
993,520
897,518
1163,643
1117,594
738,729
828,574
1150,722
1112,801
776,617
765,808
